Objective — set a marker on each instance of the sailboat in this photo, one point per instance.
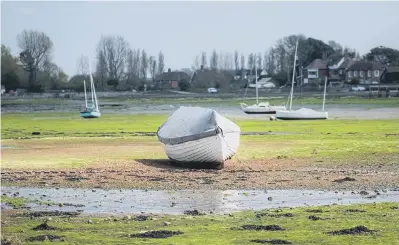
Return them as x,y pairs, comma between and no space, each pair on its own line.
262,107
93,111
302,113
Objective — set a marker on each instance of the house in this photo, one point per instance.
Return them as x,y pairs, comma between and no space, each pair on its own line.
390,75
205,78
171,79
366,72
337,71
249,74
316,70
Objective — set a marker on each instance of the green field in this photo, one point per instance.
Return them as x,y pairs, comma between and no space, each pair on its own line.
383,219
332,139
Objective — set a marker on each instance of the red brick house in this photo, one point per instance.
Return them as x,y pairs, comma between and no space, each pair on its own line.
171,79
366,72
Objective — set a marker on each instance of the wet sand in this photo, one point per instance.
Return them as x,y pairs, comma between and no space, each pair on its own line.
298,173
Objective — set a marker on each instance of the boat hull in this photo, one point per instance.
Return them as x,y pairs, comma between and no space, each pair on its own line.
90,114
262,108
302,114
210,150
259,112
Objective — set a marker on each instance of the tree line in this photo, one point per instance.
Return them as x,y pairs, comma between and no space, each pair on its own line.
120,67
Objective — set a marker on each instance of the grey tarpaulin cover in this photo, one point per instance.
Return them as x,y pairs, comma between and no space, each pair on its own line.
193,123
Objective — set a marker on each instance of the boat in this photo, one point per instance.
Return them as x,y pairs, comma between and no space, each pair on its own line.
302,113
93,111
199,137
262,107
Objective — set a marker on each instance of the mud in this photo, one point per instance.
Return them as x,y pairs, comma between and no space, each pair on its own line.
262,228
287,215
274,241
344,179
352,231
194,212
43,226
42,238
354,211
314,211
314,218
49,213
335,111
157,234
141,218
5,241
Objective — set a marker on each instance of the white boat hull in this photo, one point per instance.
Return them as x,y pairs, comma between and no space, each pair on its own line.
261,109
213,149
302,114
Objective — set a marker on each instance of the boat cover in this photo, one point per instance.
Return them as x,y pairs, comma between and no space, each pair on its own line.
193,123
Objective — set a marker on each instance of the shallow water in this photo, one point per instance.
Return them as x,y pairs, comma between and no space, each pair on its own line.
114,201
7,147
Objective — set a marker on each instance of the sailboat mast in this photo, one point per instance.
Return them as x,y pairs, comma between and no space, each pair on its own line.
256,80
84,83
293,74
324,96
95,104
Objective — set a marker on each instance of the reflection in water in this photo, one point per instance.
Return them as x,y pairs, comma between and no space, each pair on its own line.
176,202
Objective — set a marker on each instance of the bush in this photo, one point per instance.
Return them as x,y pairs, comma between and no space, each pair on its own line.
355,81
184,85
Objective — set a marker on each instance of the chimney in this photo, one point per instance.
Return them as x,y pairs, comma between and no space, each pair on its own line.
202,67
169,70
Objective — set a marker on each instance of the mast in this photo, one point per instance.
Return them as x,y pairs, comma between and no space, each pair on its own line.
324,96
293,74
84,83
94,97
256,79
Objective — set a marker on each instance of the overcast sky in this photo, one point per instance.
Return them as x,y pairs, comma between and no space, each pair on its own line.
184,29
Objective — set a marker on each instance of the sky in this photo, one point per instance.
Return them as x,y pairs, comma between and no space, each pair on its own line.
184,29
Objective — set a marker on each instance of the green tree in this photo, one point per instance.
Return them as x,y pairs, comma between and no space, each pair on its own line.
10,80
384,55
184,85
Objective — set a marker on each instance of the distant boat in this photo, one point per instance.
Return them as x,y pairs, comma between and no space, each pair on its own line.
93,111
199,136
262,107
303,113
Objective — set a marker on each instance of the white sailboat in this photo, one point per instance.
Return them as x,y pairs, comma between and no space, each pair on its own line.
93,111
204,137
302,113
262,107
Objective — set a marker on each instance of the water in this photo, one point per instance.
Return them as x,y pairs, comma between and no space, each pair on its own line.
176,202
7,147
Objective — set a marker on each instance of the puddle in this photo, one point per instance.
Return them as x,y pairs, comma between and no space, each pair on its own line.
7,147
99,201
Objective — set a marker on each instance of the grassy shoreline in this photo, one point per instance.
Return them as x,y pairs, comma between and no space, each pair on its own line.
278,99
308,225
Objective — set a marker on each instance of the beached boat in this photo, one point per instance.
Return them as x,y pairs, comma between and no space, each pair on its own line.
262,107
302,113
199,136
93,111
